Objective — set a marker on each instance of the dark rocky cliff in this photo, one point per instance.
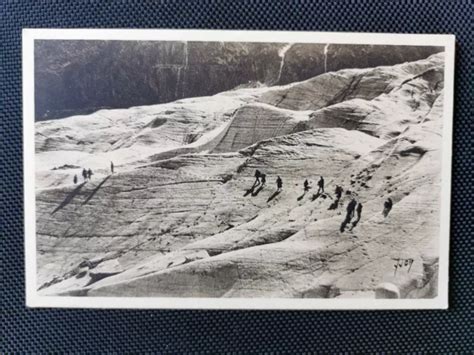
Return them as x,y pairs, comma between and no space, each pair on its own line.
80,77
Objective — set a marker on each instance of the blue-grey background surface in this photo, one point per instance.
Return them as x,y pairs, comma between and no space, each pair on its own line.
73,330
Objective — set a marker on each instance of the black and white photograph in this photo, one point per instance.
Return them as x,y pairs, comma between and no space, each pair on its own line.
235,169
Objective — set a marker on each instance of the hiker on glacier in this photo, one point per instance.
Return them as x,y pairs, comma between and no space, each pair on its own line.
359,211
359,214
320,185
75,179
306,185
263,179
89,174
257,175
387,206
112,167
338,192
84,174
349,214
350,210
279,183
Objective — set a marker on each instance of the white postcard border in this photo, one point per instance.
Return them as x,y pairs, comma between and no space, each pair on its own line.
35,300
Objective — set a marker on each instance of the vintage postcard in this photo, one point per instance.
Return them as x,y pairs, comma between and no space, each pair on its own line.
237,169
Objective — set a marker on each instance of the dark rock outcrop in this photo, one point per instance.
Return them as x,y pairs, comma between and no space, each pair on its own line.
80,77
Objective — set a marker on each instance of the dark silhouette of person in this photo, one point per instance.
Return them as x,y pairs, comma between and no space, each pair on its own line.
258,178
75,179
320,185
359,214
84,174
306,185
279,183
387,206
351,208
338,193
89,174
359,211
258,174
349,214
112,167
260,188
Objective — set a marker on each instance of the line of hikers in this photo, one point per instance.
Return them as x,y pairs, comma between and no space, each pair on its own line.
261,179
307,186
356,206
87,173
353,209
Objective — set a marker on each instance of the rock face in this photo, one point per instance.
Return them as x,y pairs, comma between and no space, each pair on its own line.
80,77
179,216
